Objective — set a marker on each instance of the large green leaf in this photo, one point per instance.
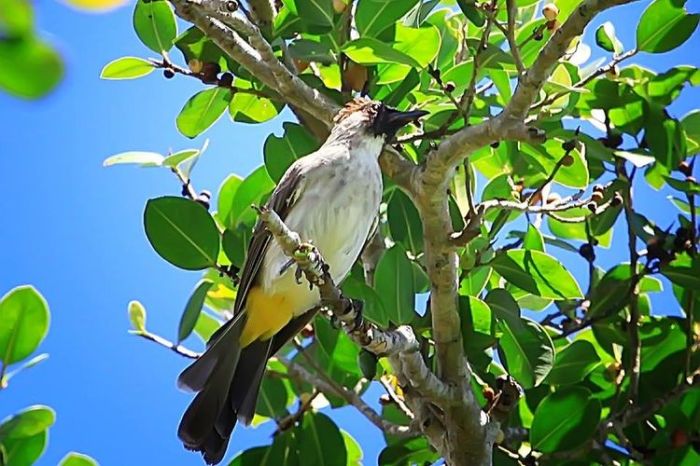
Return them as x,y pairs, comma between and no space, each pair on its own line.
190,315
77,459
337,345
154,23
145,159
227,193
573,363
415,451
691,125
368,51
127,68
527,351
182,232
394,281
281,152
250,108
664,26
419,44
684,271
373,308
404,222
565,420
29,68
24,322
537,273
478,324
321,442
316,12
27,423
202,110
373,17
273,398
24,451
254,188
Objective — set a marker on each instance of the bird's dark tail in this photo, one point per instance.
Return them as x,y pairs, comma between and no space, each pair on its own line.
227,380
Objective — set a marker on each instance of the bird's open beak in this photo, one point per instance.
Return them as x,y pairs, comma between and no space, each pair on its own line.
390,120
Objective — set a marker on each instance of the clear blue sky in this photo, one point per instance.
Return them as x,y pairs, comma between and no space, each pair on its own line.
73,229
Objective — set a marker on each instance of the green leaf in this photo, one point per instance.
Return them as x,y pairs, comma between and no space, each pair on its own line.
273,398
281,152
472,13
77,459
373,17
312,51
339,348
316,12
504,306
27,423
394,277
353,448
137,316
173,160
475,281
691,125
606,39
249,108
373,308
478,324
684,271
252,190
24,323
665,25
29,68
527,351
182,232
321,441
533,239
24,451
127,68
573,363
154,23
192,310
17,18
206,326
565,420
145,159
537,273
368,51
414,451
404,222
202,110
225,198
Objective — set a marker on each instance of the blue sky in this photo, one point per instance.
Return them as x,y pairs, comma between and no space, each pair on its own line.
73,229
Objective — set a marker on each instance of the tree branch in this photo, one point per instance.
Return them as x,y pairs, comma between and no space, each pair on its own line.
299,372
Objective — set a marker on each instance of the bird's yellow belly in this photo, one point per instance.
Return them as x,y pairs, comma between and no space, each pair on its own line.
266,314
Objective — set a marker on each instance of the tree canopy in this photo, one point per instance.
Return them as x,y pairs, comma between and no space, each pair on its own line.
510,332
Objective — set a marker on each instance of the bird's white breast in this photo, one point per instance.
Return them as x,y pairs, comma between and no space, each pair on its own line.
335,211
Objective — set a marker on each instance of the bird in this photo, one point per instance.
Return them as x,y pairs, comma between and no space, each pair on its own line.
331,198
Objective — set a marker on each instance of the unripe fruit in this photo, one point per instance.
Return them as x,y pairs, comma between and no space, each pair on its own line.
538,36
231,6
301,65
339,6
597,197
587,252
569,145
617,200
211,71
550,11
500,437
450,87
168,73
195,65
355,76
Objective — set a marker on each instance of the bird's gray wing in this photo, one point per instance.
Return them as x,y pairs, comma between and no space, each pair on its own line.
281,201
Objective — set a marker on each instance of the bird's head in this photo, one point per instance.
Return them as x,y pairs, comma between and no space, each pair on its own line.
371,118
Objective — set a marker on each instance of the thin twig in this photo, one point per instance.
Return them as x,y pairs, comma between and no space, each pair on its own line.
179,349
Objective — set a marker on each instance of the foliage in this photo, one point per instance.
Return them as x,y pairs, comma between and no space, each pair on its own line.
24,323
582,345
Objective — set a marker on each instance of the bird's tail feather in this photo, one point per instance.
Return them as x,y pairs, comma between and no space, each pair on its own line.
227,379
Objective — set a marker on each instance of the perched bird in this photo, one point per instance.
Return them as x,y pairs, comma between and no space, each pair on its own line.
330,198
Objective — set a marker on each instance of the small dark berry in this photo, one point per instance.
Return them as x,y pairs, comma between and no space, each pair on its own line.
450,87
538,36
226,80
231,6
210,71
168,73
617,200
592,206
613,141
569,145
587,252
495,144
598,188
567,161
597,197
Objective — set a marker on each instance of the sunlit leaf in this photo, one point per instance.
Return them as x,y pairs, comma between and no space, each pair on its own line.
24,323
